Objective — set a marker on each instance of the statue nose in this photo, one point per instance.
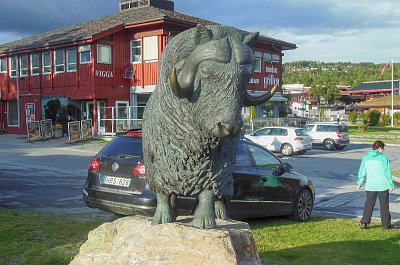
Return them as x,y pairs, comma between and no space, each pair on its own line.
222,129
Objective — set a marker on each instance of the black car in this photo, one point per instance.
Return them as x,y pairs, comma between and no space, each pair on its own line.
263,184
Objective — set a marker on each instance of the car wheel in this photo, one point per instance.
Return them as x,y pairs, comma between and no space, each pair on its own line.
329,144
302,152
303,206
287,150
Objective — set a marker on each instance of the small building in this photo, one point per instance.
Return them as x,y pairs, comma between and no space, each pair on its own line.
374,89
105,69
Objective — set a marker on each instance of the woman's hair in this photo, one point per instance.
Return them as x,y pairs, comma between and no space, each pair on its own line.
378,144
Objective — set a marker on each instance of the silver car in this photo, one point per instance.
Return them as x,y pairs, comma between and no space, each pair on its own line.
328,134
285,140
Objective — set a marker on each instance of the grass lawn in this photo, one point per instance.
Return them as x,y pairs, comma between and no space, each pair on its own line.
38,238
325,241
372,130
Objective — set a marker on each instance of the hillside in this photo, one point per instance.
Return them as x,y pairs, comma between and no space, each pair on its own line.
312,73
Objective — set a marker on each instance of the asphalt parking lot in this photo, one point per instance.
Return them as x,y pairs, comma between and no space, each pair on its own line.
333,173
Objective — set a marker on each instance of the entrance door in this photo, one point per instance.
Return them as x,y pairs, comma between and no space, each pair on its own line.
121,115
87,110
101,123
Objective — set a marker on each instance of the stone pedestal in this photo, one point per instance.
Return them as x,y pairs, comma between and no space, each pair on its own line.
133,240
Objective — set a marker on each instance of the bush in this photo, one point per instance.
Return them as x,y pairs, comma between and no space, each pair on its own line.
353,116
385,119
373,117
396,118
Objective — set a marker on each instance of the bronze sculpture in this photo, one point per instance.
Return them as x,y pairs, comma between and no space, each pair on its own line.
192,121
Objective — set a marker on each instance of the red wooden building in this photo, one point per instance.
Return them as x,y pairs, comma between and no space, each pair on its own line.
99,69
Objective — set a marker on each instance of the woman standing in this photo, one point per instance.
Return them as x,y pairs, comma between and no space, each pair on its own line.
376,169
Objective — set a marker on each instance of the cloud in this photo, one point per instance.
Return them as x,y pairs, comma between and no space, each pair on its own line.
363,30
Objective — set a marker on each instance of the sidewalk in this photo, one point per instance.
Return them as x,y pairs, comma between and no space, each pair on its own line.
21,142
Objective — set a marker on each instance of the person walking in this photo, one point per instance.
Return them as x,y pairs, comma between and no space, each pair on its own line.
375,168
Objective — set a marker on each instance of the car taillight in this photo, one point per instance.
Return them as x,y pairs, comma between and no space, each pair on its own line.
339,134
140,170
299,139
94,165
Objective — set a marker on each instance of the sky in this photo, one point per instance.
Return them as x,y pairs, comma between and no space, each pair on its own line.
323,30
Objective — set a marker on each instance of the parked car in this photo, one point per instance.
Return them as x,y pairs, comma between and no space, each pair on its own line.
263,184
328,134
286,140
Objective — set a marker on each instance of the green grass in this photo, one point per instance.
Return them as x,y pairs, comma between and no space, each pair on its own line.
39,238
373,130
325,241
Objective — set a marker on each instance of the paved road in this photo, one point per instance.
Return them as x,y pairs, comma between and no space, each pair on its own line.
48,176
334,174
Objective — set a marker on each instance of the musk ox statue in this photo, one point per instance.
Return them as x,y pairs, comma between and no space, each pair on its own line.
192,122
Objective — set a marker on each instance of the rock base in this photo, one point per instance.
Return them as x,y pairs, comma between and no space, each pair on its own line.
133,240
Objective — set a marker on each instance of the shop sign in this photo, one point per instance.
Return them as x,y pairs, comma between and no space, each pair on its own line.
74,131
254,81
87,129
30,112
46,129
271,69
101,73
33,131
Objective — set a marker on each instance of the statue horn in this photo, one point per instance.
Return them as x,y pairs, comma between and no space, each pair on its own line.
176,88
250,100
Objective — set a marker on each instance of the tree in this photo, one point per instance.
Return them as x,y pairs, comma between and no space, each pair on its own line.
326,91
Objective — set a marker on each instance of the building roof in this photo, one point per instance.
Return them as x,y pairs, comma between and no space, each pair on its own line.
376,85
86,31
382,102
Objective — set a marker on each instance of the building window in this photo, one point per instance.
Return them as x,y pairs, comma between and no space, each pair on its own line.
136,51
257,62
13,66
35,64
46,63
71,60
59,61
12,113
150,48
267,57
276,58
3,65
104,54
23,65
85,55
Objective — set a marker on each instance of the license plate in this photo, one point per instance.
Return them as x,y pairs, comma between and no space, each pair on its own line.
116,181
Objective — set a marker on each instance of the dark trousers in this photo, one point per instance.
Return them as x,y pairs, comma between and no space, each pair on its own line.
370,204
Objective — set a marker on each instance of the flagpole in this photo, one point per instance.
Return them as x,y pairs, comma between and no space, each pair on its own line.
392,95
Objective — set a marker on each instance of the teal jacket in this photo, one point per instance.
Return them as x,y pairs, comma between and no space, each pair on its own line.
375,167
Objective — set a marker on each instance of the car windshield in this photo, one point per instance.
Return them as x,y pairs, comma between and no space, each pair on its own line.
123,146
343,128
301,132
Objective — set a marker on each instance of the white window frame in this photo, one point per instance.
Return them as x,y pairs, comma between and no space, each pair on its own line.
84,49
35,70
101,49
257,62
71,65
13,70
3,65
150,49
136,45
46,68
23,69
59,60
